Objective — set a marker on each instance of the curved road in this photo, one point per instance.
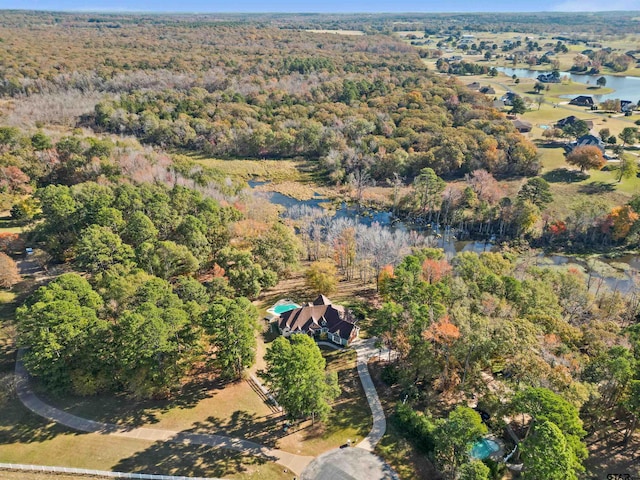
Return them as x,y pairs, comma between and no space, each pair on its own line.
296,463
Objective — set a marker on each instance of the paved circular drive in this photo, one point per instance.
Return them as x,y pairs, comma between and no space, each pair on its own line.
350,463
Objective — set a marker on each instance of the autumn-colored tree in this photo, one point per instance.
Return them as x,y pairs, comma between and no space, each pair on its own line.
587,158
620,221
443,334
9,274
435,270
386,273
322,277
8,241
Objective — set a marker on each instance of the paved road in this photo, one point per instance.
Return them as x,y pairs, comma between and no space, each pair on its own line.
295,463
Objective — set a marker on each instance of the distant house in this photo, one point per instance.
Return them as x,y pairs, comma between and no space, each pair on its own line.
521,126
585,141
626,105
552,77
487,90
455,58
582,101
320,317
563,122
474,86
509,97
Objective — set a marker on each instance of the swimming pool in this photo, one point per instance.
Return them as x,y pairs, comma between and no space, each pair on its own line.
484,448
284,307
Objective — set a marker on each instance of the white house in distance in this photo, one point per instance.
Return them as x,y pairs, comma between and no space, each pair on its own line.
320,317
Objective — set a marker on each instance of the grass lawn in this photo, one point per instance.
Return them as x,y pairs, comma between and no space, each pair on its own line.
199,405
8,224
26,438
569,186
267,170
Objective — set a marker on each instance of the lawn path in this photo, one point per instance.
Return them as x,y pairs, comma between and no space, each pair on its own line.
295,463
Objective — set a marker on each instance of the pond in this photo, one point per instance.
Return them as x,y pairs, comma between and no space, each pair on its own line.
444,239
625,88
620,274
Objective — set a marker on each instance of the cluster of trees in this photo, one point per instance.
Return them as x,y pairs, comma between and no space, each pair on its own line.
165,287
556,354
384,125
359,250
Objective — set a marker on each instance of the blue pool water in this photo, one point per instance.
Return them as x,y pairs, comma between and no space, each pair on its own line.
285,307
483,448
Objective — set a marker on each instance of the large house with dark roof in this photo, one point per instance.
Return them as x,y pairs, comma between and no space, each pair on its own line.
582,101
320,317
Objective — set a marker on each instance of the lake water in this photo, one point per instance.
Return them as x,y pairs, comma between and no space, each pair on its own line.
625,88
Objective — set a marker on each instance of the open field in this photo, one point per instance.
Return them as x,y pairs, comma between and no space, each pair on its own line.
25,438
266,170
569,186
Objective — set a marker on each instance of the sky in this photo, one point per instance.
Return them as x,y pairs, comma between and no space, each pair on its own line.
322,6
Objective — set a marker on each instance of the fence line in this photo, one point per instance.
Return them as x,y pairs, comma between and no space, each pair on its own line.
96,473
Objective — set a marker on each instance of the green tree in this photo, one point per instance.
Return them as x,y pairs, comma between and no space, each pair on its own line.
322,277
454,437
474,470
297,378
543,405
40,141
601,82
632,405
166,259
518,106
139,229
546,454
232,325
99,248
576,129
628,135
537,191
628,167
60,326
427,188
245,276
538,87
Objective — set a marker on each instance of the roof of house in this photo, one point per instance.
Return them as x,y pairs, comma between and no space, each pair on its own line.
585,141
521,125
320,313
570,120
582,99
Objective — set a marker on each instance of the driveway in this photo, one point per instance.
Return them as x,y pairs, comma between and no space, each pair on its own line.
349,463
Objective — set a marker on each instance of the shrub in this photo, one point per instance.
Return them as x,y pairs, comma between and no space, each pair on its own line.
415,426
